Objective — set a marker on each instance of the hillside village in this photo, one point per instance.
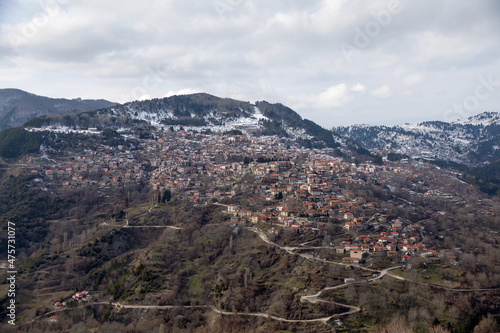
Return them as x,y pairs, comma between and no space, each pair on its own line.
271,182
206,220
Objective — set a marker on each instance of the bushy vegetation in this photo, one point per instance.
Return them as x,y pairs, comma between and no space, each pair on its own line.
486,178
290,118
393,157
233,132
109,133
15,142
208,263
320,133
183,106
99,119
26,207
184,122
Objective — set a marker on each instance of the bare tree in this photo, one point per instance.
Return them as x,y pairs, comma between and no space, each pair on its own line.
487,325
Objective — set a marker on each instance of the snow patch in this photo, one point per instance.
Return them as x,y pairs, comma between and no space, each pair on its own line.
61,129
149,117
258,114
298,133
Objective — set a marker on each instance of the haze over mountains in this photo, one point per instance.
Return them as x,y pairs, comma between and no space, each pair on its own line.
17,106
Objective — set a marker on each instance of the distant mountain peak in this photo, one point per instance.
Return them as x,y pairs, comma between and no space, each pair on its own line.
472,141
203,112
18,106
485,118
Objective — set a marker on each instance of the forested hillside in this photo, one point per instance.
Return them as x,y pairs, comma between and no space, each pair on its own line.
17,106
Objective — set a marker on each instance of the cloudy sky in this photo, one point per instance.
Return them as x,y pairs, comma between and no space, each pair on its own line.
336,62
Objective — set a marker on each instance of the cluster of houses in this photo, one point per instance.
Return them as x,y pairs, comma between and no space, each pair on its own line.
78,296
394,246
184,162
106,166
210,168
81,295
398,243
284,184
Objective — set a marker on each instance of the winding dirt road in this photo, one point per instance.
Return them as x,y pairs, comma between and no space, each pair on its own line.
314,299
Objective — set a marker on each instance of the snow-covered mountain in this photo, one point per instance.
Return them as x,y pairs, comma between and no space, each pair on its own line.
17,106
473,141
203,112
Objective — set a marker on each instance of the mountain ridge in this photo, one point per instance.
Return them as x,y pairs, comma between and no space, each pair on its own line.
473,141
203,112
18,106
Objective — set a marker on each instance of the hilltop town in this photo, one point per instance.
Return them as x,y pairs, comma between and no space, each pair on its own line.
274,183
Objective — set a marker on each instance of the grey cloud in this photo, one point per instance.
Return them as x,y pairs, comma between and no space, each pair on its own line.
256,50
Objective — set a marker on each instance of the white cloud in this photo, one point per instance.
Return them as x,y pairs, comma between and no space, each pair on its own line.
181,92
334,97
412,79
255,51
358,88
334,15
382,92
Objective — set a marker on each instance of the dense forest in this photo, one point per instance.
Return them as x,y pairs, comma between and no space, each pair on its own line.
486,178
15,142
